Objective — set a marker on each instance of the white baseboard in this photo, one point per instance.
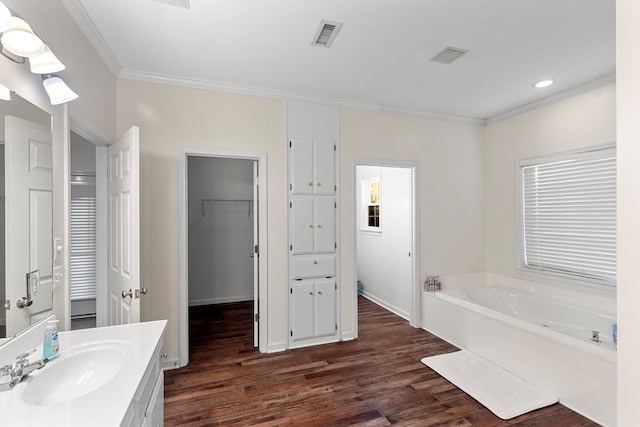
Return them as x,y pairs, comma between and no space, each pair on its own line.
348,336
385,305
210,301
275,348
167,364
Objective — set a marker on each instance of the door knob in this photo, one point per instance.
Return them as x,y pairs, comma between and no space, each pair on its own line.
128,293
23,302
141,291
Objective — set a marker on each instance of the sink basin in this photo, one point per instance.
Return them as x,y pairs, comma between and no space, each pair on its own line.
77,372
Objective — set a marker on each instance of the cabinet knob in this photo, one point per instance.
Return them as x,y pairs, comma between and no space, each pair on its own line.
319,292
315,262
311,184
319,184
310,293
310,225
319,226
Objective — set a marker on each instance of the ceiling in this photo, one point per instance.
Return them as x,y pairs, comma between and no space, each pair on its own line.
379,60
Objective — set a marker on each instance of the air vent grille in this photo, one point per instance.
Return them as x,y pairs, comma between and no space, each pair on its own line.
449,55
326,33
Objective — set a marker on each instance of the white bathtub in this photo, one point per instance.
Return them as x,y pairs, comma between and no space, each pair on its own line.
543,340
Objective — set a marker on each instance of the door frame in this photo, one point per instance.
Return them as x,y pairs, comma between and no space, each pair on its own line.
414,317
183,242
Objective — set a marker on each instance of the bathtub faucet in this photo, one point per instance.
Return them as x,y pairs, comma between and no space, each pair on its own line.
595,336
432,283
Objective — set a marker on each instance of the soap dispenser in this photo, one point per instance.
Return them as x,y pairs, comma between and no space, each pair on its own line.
51,346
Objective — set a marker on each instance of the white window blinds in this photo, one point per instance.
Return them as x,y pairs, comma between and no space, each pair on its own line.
82,263
569,216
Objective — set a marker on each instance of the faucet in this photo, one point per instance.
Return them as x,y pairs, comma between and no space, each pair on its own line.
10,376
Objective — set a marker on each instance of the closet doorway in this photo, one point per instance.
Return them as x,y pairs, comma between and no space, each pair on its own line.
222,229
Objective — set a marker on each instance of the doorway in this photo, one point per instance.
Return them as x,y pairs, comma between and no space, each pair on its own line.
222,230
386,237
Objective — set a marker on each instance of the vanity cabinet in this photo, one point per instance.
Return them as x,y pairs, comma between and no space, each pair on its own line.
147,407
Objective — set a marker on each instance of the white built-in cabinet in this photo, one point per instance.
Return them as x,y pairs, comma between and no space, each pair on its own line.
313,288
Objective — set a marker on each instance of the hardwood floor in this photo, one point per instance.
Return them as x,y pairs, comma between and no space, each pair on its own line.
376,380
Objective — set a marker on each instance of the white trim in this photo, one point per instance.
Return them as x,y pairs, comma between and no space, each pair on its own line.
80,15
415,316
102,285
276,348
183,274
392,308
568,93
223,300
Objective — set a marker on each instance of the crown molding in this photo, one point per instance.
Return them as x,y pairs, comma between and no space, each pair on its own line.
80,15
568,93
130,74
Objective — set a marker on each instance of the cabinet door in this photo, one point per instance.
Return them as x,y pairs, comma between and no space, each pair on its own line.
325,225
302,307
301,166
325,307
301,226
324,167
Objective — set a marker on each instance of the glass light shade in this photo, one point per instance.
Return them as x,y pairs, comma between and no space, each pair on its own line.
20,40
5,17
58,91
45,63
5,93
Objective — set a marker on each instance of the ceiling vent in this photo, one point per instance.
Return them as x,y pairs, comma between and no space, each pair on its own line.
326,33
449,55
178,3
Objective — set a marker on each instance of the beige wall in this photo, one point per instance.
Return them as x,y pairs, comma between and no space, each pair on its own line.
583,120
171,118
628,83
449,156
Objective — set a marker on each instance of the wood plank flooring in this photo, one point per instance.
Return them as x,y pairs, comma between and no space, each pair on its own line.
376,380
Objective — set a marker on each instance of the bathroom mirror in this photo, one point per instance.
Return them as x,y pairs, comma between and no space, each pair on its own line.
25,215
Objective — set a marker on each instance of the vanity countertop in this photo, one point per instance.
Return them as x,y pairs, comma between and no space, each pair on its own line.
104,406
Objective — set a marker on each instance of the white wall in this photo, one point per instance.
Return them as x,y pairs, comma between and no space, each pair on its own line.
628,106
580,121
384,265
220,233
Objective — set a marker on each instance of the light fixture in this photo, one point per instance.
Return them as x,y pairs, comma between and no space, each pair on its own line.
5,93
20,39
57,89
545,83
45,63
5,17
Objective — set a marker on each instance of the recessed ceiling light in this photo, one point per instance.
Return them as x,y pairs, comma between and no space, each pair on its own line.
544,83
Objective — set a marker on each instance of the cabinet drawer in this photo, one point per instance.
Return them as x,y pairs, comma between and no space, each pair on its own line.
313,266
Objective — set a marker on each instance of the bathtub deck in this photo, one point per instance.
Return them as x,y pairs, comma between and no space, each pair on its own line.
377,380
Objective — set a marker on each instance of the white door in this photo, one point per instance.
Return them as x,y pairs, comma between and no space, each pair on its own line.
256,257
324,167
123,230
28,242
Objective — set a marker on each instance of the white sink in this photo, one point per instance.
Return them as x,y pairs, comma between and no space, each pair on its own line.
77,372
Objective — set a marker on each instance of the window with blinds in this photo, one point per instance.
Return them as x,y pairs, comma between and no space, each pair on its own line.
82,262
569,216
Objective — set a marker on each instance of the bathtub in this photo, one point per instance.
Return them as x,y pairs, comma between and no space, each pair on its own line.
566,348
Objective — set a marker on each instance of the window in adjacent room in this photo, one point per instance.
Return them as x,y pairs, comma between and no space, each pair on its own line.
370,188
569,215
